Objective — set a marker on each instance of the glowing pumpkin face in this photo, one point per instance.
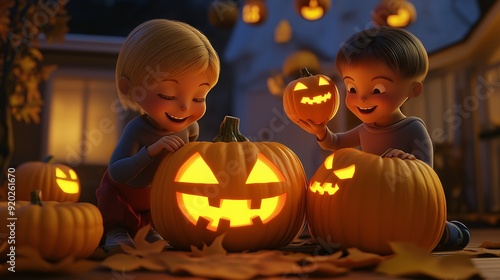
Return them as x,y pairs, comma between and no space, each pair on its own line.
394,13
254,11
312,9
252,192
362,200
58,182
311,97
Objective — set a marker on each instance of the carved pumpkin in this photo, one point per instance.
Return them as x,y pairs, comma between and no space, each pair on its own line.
58,182
394,13
362,200
57,230
254,192
254,12
311,97
312,9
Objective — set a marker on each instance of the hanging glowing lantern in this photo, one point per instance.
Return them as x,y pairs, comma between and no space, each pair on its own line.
312,9
254,11
253,192
362,200
394,13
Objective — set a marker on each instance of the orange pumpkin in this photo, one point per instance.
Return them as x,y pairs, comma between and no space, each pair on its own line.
58,182
394,13
56,230
254,192
311,97
362,200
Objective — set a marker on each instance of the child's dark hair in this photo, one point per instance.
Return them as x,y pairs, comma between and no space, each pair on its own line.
398,49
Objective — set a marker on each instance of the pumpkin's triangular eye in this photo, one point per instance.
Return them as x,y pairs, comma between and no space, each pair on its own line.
60,173
299,86
329,162
264,171
196,170
345,173
323,82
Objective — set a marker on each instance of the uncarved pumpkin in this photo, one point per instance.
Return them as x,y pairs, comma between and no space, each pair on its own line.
58,182
357,199
56,230
206,189
311,97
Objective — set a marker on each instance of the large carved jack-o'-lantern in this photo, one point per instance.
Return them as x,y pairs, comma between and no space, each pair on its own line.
311,97
254,192
362,200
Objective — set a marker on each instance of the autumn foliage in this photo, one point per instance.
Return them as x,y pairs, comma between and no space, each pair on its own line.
21,24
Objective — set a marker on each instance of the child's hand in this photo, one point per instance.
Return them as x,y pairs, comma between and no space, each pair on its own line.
317,129
170,142
398,153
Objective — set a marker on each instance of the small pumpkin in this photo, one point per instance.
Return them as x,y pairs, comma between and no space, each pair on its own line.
362,200
57,230
253,192
311,97
394,13
58,182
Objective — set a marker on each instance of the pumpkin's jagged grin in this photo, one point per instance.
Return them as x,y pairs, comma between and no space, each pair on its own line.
233,212
318,99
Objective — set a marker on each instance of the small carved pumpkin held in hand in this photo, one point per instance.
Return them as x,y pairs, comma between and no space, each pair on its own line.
361,200
58,182
311,97
254,192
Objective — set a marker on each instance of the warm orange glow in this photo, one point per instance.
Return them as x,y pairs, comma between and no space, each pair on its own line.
237,211
345,173
67,184
342,174
264,171
326,187
329,162
401,19
299,86
318,99
251,13
313,11
196,170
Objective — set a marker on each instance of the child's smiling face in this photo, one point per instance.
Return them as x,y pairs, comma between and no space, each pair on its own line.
375,93
176,102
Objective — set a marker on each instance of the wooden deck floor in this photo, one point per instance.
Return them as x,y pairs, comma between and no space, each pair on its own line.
489,267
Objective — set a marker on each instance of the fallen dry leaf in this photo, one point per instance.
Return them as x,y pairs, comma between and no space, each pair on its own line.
29,259
410,260
489,245
215,248
480,253
233,266
143,247
126,263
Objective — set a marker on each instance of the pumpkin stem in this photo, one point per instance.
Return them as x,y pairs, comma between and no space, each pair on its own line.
48,159
230,131
305,73
36,197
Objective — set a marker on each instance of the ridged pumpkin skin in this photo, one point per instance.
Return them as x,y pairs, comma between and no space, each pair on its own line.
44,176
231,163
316,98
381,200
56,230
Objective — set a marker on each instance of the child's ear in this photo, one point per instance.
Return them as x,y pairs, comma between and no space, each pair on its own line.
416,89
124,85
